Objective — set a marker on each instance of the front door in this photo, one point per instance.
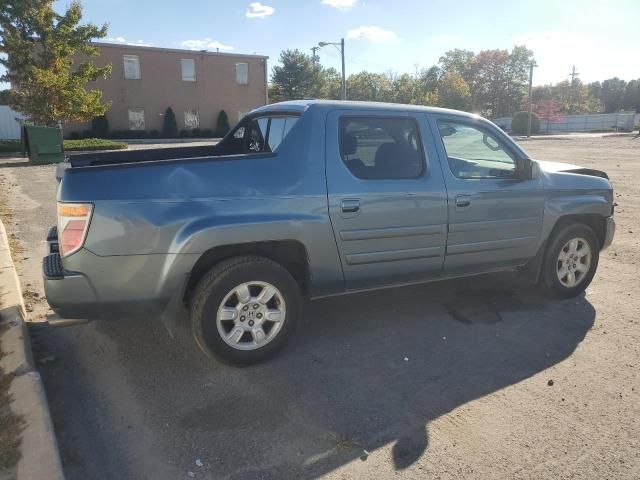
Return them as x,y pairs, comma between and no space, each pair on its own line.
495,215
387,201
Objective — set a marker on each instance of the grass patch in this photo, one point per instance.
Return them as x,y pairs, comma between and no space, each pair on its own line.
10,424
93,144
11,146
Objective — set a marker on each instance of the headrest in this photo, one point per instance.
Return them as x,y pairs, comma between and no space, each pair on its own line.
348,144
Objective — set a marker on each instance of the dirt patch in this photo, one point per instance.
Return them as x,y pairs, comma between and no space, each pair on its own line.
11,425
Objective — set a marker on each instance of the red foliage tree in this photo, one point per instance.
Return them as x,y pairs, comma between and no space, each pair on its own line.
549,110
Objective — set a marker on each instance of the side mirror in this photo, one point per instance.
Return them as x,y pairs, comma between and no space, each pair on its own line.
530,169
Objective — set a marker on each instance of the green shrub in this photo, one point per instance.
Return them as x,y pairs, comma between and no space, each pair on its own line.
74,136
88,134
222,125
520,122
100,126
169,124
208,133
185,133
154,133
196,133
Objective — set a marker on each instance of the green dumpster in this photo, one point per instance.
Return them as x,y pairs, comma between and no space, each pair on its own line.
43,144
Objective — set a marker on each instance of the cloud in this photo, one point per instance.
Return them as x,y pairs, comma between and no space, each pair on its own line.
124,41
258,10
204,44
371,33
340,4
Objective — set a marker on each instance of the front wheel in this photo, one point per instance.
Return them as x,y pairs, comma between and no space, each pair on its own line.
244,309
571,261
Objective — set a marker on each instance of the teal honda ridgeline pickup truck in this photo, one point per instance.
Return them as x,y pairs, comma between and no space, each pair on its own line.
310,199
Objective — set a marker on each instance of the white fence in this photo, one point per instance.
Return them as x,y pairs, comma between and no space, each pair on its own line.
581,123
9,123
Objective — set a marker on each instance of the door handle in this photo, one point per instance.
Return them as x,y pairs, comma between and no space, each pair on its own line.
463,201
350,205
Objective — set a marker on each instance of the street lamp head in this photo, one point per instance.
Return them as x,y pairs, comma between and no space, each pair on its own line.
322,44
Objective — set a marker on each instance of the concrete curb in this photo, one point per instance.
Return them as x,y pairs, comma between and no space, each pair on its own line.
40,457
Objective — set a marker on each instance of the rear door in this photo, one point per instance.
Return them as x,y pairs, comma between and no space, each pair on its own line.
386,195
495,215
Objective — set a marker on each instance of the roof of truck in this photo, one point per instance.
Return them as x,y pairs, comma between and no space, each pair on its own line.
302,105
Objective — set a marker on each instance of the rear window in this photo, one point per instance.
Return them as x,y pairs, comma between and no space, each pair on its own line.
258,135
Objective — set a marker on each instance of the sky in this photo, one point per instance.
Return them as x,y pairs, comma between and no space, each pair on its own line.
601,38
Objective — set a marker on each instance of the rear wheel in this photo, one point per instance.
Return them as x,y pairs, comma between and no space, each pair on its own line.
244,309
571,261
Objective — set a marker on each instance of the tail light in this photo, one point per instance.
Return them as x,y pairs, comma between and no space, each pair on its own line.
73,223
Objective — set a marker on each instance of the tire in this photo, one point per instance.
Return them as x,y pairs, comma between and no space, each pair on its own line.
243,331
554,266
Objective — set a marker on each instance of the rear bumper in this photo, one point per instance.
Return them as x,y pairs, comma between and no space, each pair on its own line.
609,232
69,294
93,287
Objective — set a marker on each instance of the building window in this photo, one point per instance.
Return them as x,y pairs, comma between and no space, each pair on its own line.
242,73
131,67
136,119
191,119
188,66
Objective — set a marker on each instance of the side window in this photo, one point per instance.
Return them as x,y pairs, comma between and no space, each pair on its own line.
473,153
381,148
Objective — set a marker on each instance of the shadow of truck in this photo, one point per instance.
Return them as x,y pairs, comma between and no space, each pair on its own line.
362,372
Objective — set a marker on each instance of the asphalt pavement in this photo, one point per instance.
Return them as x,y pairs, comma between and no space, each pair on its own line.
371,385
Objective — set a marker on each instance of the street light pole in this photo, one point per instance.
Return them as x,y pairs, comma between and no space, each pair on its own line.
343,90
530,99
344,78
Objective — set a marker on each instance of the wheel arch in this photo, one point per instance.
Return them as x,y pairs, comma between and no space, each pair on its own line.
291,254
596,221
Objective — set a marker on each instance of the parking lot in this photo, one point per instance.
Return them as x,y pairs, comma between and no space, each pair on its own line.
474,378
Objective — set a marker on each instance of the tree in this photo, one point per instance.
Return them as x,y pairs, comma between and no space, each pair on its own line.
548,110
612,94
169,124
4,97
41,50
371,87
500,80
462,62
222,124
454,92
631,99
297,77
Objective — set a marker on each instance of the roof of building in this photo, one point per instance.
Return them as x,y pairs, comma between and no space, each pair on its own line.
176,50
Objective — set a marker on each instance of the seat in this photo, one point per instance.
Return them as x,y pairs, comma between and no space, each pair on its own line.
395,161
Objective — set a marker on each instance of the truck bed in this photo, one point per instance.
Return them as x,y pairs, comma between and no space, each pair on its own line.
143,155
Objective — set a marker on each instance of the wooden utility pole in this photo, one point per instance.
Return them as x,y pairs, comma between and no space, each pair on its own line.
573,74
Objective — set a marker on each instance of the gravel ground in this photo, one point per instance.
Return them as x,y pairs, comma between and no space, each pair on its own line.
373,386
